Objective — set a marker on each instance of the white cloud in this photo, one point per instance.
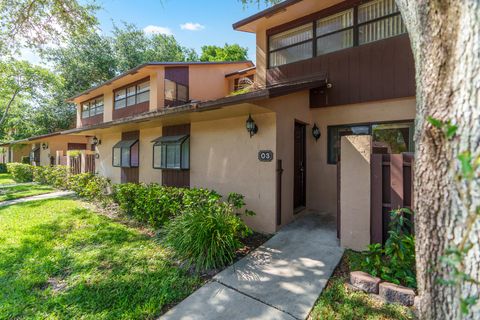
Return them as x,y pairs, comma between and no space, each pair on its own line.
192,26
151,29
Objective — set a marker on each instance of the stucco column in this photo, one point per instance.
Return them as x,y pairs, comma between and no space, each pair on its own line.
355,192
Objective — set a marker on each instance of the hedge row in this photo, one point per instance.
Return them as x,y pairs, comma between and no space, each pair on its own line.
197,224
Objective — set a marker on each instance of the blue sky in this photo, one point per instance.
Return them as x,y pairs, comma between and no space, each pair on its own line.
203,21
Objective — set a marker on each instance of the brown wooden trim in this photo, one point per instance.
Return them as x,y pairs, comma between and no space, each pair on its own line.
92,120
279,191
376,219
130,175
176,178
131,110
76,146
396,181
129,85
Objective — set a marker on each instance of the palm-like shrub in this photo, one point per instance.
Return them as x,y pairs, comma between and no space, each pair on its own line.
208,232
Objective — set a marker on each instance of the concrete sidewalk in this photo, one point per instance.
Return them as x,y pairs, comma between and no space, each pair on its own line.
280,280
51,195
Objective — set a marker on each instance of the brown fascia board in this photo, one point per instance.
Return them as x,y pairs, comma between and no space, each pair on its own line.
43,136
240,72
265,13
138,68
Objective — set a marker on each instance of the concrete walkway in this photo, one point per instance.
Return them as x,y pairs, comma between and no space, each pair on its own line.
51,195
280,280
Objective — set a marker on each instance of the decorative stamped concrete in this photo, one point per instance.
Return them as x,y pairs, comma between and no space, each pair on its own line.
282,279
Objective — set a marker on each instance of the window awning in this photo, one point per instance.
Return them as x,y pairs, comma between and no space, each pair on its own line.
125,144
171,139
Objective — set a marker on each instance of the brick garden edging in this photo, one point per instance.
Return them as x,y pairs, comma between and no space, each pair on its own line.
389,292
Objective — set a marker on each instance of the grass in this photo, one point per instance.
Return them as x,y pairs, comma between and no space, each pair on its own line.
6,178
60,260
339,302
22,191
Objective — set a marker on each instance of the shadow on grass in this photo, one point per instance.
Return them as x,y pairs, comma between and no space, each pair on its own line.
110,271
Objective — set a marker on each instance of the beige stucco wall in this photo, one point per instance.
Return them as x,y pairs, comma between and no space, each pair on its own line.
321,195
355,192
291,108
19,151
59,143
224,158
103,165
146,172
208,82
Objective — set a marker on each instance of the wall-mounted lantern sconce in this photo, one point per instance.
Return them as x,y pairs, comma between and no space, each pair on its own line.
251,126
316,132
44,146
97,156
96,141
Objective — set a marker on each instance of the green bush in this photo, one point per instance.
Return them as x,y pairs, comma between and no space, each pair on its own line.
208,232
3,168
20,172
55,176
26,160
90,186
395,262
152,204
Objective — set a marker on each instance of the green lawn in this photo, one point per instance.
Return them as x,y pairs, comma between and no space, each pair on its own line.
6,178
22,191
62,261
338,302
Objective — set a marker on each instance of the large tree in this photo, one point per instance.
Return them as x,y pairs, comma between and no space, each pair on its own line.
37,23
445,39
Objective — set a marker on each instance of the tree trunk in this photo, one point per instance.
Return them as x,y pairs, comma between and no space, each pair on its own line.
445,38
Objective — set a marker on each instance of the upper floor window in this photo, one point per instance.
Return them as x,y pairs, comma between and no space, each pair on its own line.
365,23
176,94
92,107
291,45
378,20
132,95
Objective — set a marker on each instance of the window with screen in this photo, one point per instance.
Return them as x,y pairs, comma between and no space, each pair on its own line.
378,20
291,45
358,25
172,152
176,94
125,154
335,32
132,95
92,107
392,138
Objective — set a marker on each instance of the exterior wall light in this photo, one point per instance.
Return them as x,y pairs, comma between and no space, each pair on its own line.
96,141
316,132
44,146
251,126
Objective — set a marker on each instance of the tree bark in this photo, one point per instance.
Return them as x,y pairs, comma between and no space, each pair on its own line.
445,38
4,116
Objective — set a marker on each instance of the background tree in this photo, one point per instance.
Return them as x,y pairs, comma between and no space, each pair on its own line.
21,80
37,23
228,52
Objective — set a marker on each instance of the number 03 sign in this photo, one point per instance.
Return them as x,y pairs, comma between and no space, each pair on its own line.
265,155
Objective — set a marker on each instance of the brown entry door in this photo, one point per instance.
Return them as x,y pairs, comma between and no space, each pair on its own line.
300,169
